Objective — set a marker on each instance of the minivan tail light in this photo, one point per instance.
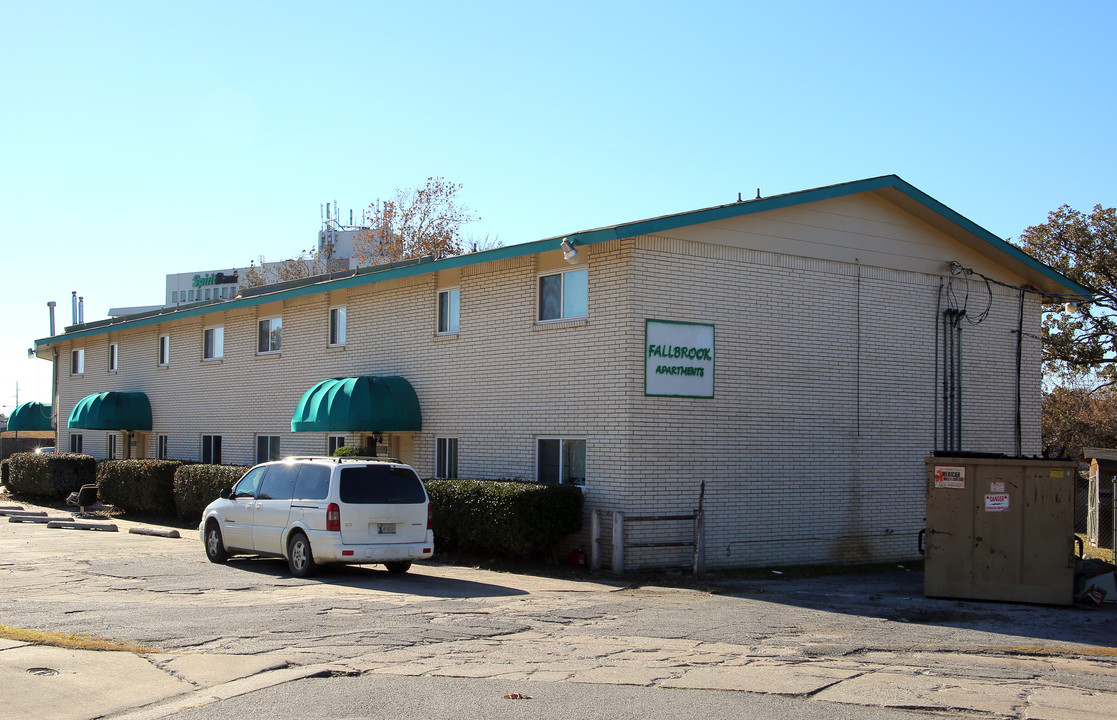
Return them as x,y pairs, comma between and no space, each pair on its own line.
333,517
430,518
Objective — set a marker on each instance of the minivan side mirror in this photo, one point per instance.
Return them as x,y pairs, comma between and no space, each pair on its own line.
226,493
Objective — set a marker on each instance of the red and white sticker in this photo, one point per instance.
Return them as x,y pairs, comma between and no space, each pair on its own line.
950,477
996,502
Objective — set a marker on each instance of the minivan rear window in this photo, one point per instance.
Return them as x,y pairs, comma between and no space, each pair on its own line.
380,485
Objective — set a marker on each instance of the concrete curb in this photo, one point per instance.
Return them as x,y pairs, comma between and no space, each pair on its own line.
157,532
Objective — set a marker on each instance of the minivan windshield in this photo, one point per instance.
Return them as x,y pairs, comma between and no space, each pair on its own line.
380,485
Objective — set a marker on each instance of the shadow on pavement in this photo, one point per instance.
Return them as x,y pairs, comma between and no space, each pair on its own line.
375,578
898,596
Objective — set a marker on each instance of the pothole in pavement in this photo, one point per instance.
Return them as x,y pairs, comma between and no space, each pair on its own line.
42,671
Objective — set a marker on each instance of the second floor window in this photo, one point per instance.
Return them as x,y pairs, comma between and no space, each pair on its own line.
269,338
213,343
448,301
114,351
337,326
77,362
164,349
563,295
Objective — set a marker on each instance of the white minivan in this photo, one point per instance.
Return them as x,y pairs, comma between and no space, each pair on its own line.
316,510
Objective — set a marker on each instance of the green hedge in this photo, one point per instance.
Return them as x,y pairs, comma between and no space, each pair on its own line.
144,486
506,518
49,475
196,486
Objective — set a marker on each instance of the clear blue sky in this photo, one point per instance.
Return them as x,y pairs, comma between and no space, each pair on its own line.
147,138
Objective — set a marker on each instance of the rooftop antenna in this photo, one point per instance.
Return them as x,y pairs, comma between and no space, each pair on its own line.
758,193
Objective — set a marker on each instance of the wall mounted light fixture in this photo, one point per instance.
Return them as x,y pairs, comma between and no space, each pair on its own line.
569,252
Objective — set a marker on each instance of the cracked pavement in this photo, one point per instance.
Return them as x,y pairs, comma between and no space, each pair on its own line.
238,633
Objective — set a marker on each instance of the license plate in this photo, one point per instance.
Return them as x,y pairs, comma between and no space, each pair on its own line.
386,528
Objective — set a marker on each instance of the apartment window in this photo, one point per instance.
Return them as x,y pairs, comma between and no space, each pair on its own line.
191,296
75,442
164,350
211,449
269,338
561,461
114,356
213,343
77,362
112,446
267,448
209,293
333,442
162,454
174,296
448,310
446,457
337,326
563,295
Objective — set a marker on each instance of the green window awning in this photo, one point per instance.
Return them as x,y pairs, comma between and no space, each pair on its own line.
367,403
112,411
30,416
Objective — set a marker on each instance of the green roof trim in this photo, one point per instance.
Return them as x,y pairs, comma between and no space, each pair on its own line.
409,268
112,411
366,403
30,416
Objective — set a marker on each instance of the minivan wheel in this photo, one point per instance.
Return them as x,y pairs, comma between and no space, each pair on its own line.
300,559
398,568
215,545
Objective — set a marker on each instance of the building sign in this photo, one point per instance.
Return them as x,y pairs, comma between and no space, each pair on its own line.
678,359
215,279
953,478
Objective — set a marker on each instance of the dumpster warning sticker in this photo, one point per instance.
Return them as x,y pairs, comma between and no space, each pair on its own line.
950,477
996,487
996,502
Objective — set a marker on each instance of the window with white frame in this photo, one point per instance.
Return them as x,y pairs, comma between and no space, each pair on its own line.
213,343
563,295
162,454
114,357
164,350
561,461
77,362
112,446
448,304
445,457
337,326
269,337
333,442
211,449
174,296
267,448
75,442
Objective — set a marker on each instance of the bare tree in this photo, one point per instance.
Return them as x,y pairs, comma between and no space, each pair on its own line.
307,264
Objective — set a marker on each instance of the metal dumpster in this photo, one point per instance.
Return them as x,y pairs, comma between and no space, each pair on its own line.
1000,529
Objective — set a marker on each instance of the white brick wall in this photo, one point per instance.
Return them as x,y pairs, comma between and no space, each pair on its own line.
812,448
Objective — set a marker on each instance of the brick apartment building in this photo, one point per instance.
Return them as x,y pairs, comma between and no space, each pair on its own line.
792,358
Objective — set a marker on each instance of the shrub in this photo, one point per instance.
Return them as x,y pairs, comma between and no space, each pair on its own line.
144,486
49,475
196,486
506,518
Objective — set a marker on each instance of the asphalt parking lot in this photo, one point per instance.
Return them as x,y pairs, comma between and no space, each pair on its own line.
228,639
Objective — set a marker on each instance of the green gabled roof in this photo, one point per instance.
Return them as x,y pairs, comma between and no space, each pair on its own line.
889,186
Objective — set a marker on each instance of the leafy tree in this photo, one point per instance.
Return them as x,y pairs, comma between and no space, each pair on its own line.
1080,344
416,222
1078,417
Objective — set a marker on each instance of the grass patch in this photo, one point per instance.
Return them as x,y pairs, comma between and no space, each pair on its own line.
70,641
1095,552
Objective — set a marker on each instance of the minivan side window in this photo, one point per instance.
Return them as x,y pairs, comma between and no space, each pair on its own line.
380,485
246,486
313,483
279,483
